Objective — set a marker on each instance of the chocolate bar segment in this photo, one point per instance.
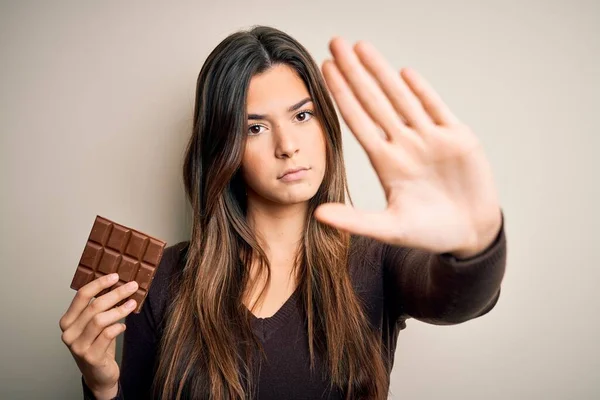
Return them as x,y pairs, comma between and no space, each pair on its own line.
112,247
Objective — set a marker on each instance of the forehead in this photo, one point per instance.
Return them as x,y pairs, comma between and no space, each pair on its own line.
275,89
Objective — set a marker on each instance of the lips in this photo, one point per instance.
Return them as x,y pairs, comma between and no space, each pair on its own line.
292,170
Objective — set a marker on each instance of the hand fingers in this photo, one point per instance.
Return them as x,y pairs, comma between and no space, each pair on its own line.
100,322
361,125
366,89
431,100
106,341
374,224
404,101
96,353
83,296
99,305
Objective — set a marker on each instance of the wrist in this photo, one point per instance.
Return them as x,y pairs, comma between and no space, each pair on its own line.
483,242
106,394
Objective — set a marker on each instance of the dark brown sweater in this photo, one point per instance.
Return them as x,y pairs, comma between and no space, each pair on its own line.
395,284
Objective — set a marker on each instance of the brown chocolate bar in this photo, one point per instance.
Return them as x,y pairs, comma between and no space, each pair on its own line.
112,247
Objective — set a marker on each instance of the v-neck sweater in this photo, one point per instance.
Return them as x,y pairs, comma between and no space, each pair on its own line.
393,283
265,327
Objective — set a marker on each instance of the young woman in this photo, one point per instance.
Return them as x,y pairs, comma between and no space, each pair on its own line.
285,291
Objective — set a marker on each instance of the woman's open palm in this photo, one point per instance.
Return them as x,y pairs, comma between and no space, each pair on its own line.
437,181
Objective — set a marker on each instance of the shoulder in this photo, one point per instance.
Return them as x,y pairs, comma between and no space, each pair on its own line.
170,266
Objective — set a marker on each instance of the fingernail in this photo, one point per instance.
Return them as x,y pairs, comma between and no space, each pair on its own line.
132,285
113,277
130,304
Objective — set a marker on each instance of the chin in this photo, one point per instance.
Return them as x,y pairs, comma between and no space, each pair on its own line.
295,195
295,198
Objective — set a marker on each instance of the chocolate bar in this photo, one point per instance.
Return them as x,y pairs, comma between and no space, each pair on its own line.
112,247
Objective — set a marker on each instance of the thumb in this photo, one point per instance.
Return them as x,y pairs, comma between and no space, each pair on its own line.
378,225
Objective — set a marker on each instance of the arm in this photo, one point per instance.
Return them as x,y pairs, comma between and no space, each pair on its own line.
441,289
439,186
142,335
140,346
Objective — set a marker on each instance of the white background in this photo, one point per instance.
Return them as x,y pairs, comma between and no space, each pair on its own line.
95,106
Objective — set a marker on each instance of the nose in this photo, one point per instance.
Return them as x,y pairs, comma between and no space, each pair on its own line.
286,145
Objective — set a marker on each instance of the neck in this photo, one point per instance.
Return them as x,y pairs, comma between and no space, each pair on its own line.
279,231
279,228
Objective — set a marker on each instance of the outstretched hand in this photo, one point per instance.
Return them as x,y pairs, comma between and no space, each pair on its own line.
437,181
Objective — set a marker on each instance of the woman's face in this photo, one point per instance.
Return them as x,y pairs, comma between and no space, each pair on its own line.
283,134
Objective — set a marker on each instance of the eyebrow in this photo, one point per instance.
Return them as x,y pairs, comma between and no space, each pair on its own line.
290,109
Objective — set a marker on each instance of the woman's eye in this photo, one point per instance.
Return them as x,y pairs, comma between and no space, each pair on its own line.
302,116
254,130
305,115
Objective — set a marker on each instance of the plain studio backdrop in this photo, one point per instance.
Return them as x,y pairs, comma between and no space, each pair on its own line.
95,110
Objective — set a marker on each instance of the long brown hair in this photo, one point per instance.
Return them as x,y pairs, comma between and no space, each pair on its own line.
206,348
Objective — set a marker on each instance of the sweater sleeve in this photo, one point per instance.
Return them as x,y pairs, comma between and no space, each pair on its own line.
142,336
441,289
